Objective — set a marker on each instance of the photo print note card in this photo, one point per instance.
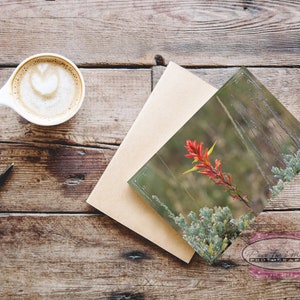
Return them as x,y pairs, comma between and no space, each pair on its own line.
219,170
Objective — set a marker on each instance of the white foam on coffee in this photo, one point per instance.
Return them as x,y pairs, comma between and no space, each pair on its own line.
47,87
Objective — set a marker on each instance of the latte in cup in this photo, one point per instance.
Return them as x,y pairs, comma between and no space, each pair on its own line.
47,88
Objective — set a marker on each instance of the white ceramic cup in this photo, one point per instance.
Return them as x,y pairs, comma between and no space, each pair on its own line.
46,89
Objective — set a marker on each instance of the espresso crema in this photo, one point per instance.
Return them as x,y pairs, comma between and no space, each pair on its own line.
47,87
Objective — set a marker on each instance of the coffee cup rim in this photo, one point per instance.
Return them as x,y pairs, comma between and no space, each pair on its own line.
49,121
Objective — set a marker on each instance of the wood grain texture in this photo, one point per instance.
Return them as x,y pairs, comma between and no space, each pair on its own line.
51,178
133,32
289,199
113,100
75,256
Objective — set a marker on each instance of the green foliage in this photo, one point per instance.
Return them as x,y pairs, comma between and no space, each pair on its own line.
210,232
292,163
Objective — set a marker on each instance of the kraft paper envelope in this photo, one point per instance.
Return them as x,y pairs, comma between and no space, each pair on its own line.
173,101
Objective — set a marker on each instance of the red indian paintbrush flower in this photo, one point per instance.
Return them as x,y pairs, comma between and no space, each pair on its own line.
201,159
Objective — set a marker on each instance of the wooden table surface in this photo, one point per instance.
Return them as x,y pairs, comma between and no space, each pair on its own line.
53,244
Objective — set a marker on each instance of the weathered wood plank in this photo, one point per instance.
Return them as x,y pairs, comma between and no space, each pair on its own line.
50,178
197,33
92,257
287,199
113,100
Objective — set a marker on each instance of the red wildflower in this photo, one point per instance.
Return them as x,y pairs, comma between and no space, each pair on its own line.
195,151
201,159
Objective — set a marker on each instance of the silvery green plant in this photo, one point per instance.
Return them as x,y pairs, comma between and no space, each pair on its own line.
211,231
287,174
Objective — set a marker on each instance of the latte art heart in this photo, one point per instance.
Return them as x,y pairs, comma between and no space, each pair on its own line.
44,80
48,88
